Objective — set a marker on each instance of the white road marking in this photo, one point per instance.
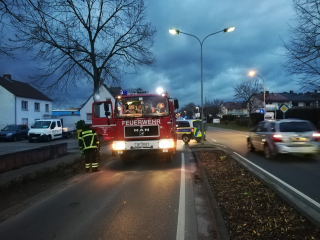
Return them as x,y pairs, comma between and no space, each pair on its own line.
221,145
182,203
213,140
282,182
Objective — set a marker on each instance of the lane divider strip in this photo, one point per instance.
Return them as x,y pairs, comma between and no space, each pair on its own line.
182,203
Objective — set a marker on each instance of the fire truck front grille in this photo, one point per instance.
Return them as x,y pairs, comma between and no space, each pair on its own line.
141,131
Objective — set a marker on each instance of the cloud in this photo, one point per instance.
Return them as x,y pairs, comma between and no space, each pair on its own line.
227,57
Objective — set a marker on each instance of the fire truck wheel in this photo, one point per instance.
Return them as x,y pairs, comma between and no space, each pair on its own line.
169,157
185,138
126,158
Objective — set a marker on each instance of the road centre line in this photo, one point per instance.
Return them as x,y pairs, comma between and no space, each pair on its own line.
282,182
182,203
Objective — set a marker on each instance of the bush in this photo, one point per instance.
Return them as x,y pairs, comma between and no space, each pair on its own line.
228,117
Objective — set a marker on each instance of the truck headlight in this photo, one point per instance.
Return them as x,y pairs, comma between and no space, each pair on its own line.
118,146
166,143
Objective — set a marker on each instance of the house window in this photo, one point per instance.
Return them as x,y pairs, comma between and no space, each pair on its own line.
89,116
24,105
37,107
47,107
295,104
25,121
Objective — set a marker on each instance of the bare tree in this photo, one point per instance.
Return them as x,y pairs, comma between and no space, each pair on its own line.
189,108
212,107
303,50
247,92
7,11
96,40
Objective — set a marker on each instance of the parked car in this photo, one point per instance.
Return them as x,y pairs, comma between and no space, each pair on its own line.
289,136
14,132
47,130
190,129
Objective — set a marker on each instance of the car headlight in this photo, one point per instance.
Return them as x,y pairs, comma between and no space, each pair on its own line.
9,134
118,146
166,143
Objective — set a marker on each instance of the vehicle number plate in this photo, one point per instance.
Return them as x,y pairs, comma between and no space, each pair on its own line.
141,144
34,138
297,139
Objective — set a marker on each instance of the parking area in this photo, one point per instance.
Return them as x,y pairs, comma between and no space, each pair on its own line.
22,145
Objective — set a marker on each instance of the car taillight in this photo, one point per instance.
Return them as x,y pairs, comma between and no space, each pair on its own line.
277,138
192,130
316,136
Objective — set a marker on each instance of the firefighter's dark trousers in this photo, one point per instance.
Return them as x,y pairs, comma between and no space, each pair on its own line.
91,159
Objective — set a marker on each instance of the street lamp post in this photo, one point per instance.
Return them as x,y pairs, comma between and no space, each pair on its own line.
198,109
253,73
185,113
174,31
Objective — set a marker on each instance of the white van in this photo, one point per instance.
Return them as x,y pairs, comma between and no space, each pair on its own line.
45,130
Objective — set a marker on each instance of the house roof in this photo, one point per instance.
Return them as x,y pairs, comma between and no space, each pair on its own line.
22,89
111,90
302,96
272,97
234,105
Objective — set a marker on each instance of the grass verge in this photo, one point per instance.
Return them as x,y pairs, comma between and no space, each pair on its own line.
251,210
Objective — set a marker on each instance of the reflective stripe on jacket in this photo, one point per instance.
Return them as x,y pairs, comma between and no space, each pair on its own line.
88,140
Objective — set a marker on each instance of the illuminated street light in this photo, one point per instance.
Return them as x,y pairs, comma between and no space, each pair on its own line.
252,74
175,31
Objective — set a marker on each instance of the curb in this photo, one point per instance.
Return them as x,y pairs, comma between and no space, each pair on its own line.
222,230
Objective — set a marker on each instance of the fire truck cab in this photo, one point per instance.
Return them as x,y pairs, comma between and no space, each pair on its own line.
137,122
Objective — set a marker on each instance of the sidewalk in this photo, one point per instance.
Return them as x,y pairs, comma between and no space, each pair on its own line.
31,171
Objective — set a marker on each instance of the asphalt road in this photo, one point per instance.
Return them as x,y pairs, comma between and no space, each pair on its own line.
301,173
148,199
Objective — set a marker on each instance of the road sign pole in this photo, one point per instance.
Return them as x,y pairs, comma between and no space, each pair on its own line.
283,116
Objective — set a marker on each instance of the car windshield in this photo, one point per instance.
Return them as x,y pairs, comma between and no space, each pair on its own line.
10,128
296,127
41,124
145,106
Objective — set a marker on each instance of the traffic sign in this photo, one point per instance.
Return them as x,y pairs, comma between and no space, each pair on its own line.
284,108
262,111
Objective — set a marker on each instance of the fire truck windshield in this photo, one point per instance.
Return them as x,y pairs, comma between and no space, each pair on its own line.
141,106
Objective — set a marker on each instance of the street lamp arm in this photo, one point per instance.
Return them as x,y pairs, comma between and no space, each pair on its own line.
211,35
191,36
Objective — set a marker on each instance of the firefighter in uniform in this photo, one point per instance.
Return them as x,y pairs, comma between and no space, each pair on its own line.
88,144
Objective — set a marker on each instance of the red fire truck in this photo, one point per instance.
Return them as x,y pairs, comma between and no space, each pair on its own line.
137,122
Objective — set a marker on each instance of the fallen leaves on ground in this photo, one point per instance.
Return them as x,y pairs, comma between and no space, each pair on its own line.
250,209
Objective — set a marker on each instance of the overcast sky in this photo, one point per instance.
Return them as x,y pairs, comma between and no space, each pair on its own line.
256,44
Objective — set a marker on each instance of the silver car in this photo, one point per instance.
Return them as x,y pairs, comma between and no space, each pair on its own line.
289,136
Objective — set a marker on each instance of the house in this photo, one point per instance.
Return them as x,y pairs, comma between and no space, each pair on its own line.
309,99
84,112
291,99
233,108
21,103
